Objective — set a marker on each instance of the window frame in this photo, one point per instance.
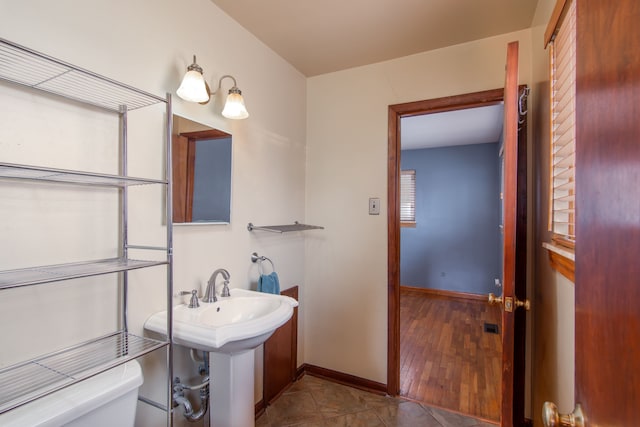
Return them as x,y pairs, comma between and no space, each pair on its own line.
562,246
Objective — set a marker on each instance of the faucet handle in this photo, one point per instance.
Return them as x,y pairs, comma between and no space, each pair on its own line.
193,303
225,289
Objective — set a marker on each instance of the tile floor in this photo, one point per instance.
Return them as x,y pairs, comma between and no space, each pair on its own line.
314,402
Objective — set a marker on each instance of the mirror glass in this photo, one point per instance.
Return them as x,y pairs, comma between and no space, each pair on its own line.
201,159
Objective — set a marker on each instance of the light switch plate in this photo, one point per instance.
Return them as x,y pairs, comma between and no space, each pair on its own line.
374,206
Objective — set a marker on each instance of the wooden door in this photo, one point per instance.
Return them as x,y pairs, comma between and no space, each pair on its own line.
607,287
514,250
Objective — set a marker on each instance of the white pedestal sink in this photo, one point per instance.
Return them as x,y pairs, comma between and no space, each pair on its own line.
230,329
231,399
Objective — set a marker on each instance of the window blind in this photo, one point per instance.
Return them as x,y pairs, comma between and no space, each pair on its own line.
563,136
407,196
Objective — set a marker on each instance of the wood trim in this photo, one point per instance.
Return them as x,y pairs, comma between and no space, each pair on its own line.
300,371
444,293
561,240
206,134
449,103
510,136
554,22
408,225
260,408
519,357
393,249
191,170
179,174
395,113
550,144
345,379
563,265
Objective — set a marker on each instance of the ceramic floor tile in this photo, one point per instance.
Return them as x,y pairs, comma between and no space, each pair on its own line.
293,408
263,421
407,414
307,383
452,419
372,400
359,419
336,399
320,423
315,402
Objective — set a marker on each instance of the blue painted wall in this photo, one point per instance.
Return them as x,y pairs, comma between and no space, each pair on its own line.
455,245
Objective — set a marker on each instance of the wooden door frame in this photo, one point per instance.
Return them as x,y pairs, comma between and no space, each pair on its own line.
396,112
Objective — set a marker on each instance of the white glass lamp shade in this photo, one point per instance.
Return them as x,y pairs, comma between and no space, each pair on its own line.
193,87
234,107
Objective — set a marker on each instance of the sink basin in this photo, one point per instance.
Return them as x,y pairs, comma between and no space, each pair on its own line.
238,323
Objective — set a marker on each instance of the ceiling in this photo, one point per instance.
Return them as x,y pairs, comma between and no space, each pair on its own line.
461,127
323,36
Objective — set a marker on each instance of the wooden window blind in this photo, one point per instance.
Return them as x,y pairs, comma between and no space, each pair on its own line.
561,39
408,197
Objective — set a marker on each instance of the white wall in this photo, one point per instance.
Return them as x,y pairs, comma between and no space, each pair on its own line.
147,45
554,298
346,272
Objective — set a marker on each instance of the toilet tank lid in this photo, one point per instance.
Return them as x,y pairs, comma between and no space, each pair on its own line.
65,405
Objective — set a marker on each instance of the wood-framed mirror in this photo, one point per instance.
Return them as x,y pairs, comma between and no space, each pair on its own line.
201,167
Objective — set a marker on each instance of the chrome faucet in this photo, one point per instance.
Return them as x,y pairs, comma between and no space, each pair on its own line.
210,294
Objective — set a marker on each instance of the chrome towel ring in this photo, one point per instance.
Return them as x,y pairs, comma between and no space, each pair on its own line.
255,258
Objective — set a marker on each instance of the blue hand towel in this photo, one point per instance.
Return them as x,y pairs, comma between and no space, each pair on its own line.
269,283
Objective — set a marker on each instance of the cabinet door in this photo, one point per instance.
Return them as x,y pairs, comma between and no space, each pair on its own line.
280,355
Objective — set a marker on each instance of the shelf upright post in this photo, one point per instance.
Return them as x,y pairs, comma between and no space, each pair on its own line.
124,201
169,217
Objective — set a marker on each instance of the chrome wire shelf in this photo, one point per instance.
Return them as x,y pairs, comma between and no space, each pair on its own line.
37,173
53,273
296,226
27,67
24,382
36,378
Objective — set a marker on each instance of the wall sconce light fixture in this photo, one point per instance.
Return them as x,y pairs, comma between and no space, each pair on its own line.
234,107
194,88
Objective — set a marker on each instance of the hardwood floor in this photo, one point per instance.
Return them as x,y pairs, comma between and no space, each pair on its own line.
446,358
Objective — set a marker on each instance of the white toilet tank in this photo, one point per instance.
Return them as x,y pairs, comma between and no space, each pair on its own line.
106,400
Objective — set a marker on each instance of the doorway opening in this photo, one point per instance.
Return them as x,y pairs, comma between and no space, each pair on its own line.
422,357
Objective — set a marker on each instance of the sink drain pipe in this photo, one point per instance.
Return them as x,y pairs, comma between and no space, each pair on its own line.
180,399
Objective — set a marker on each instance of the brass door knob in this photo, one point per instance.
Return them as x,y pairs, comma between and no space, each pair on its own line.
524,304
551,418
494,299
